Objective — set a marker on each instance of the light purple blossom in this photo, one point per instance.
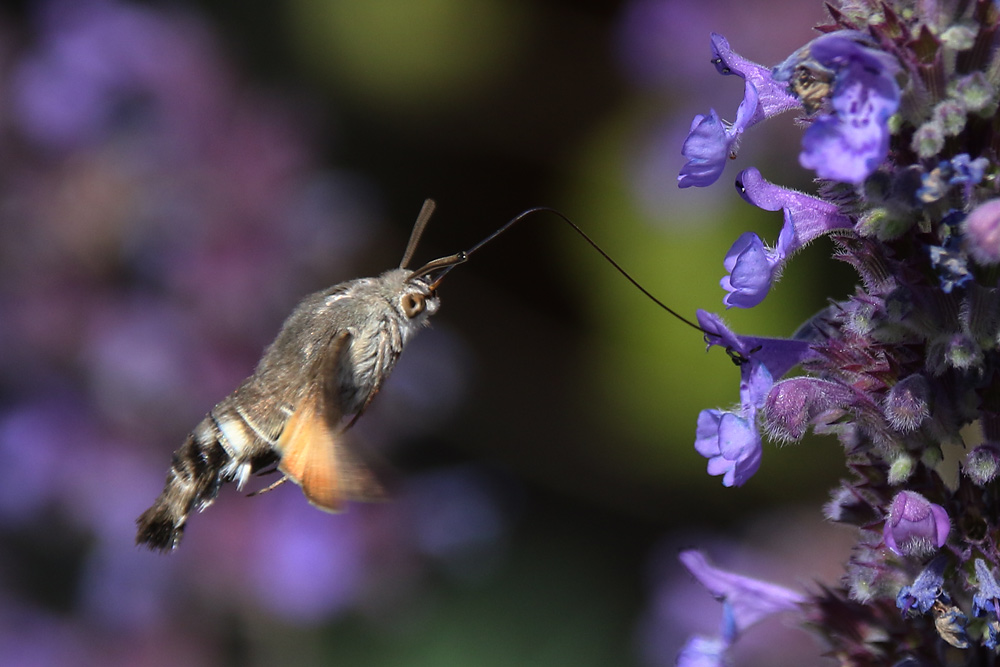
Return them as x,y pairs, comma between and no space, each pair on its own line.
752,266
848,141
711,141
914,525
701,651
746,601
731,444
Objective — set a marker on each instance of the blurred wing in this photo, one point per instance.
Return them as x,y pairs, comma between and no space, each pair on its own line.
311,443
308,442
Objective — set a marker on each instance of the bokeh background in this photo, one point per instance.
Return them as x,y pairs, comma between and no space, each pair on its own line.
174,176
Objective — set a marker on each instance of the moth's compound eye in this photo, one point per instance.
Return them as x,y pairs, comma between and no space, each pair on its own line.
413,304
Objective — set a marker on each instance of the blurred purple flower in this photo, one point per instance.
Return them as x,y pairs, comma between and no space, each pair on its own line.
305,565
850,141
745,601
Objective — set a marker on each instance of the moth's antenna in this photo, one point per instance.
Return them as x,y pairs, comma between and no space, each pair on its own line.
426,211
544,209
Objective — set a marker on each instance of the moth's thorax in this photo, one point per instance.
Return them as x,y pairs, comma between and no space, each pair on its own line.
380,314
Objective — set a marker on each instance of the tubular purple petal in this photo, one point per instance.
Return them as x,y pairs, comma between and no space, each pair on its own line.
779,355
806,217
751,600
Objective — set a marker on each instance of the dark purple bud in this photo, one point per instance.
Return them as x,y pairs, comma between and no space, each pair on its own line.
906,404
793,404
915,526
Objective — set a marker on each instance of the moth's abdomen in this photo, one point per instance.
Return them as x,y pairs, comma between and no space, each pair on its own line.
194,479
222,447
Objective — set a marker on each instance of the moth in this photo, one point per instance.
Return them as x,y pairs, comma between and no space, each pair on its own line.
328,361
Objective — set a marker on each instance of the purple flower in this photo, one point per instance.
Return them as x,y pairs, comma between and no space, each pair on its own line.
906,403
745,601
752,266
779,355
925,590
987,599
701,651
711,141
731,444
850,140
730,441
914,525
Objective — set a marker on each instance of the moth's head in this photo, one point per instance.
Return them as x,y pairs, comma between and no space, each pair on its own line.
416,299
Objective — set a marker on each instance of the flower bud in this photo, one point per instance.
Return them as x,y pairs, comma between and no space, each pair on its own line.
906,404
951,116
915,526
982,464
928,140
982,232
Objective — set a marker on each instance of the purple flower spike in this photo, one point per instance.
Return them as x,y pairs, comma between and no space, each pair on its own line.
749,600
915,526
851,140
711,141
730,443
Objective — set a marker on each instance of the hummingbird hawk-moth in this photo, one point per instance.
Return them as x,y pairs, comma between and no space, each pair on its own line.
327,363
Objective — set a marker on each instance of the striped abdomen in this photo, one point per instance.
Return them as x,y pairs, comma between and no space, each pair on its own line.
224,447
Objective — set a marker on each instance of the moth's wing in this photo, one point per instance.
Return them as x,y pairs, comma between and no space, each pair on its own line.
309,440
356,479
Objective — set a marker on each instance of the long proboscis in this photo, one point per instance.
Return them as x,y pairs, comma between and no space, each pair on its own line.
544,209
